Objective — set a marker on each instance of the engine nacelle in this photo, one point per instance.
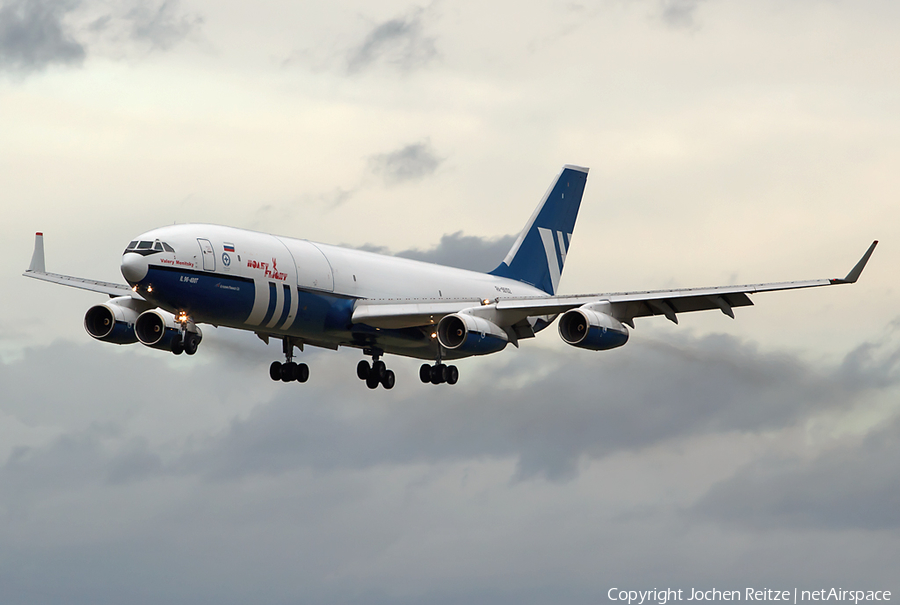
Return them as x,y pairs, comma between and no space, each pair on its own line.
159,329
592,330
470,335
113,321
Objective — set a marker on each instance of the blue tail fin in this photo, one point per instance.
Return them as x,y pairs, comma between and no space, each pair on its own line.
539,253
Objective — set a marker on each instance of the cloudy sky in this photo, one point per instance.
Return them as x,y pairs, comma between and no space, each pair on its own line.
729,142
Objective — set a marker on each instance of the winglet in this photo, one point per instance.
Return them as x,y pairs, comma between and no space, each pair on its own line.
37,259
858,269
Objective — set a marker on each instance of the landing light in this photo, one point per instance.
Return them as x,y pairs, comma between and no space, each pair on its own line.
149,288
434,334
486,301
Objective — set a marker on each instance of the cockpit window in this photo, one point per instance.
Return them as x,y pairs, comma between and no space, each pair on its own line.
157,245
144,245
167,247
132,245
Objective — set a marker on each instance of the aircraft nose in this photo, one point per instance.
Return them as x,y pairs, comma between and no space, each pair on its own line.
134,267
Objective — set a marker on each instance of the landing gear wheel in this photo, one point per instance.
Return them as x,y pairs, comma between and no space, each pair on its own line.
275,370
425,373
388,380
362,369
302,373
452,374
437,374
177,348
372,381
289,371
191,343
378,369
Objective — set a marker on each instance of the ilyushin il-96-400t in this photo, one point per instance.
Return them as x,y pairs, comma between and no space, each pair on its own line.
310,294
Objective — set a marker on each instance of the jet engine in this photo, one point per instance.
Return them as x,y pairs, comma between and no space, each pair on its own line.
113,321
160,329
470,335
589,329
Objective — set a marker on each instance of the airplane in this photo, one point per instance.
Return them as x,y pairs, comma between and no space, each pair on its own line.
307,293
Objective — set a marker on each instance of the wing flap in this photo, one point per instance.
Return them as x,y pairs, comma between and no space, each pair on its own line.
404,314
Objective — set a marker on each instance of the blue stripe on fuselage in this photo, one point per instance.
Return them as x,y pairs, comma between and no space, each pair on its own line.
205,296
287,306
228,300
273,299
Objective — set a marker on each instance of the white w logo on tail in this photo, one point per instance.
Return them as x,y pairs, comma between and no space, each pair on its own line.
555,260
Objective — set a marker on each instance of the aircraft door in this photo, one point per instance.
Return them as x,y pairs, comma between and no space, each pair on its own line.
209,256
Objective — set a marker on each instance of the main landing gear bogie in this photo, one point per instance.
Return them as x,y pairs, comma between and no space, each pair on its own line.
438,374
375,374
289,371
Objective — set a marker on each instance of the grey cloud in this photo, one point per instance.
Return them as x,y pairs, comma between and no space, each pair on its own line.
34,35
399,42
457,250
679,13
163,25
409,163
99,454
852,486
549,412
331,480
464,251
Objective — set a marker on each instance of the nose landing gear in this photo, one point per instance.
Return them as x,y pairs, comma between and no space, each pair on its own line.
289,370
375,374
190,336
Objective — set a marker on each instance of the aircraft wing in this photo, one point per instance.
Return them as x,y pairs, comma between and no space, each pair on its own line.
86,284
625,306
37,271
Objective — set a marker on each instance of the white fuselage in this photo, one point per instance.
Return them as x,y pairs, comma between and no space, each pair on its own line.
292,287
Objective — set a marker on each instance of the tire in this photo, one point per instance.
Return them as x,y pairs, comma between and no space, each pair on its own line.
190,345
302,372
388,380
372,381
362,369
289,371
177,348
425,373
275,370
445,373
378,368
437,374
452,374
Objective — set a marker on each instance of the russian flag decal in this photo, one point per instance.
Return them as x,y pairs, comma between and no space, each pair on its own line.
229,247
